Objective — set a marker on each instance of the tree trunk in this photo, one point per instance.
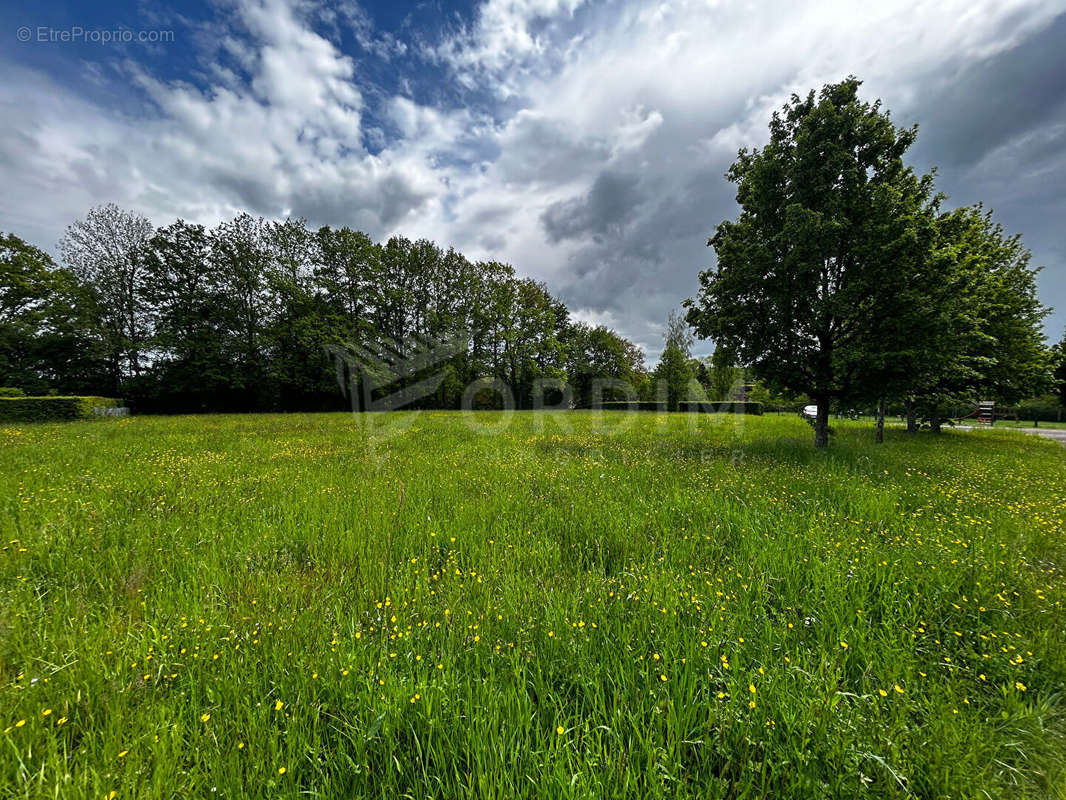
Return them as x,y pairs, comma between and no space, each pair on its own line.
881,421
912,422
934,419
821,423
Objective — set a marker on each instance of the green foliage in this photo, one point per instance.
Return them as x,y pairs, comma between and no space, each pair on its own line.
674,374
244,316
841,279
102,252
188,574
48,340
721,406
599,357
827,211
1058,361
632,405
11,391
980,334
1045,408
724,373
52,408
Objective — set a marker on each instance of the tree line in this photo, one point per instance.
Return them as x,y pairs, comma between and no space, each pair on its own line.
242,317
845,279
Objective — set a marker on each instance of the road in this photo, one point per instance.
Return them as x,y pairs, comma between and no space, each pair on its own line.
1057,434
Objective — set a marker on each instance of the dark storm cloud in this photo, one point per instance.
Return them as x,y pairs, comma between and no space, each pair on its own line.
641,272
992,101
997,134
612,201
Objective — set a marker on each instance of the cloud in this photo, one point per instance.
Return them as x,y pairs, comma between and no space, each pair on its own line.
584,142
504,41
612,200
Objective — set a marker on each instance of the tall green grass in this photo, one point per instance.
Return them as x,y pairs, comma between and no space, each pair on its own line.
579,606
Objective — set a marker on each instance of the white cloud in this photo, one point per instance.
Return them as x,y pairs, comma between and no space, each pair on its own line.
503,40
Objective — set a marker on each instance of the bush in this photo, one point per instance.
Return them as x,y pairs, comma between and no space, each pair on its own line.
11,391
46,409
699,406
630,405
720,407
1042,409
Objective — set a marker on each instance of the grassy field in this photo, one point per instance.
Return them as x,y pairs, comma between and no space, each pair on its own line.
327,606
1024,423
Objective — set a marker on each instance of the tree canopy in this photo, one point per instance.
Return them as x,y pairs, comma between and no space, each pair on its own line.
242,316
842,278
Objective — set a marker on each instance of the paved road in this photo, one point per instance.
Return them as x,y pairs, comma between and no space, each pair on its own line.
1058,434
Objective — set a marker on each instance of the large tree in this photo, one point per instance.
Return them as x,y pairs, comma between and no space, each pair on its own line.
182,284
102,250
242,260
49,338
802,270
601,365
973,329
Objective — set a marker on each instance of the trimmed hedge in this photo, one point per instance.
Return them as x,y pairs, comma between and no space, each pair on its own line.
685,406
720,407
47,409
11,391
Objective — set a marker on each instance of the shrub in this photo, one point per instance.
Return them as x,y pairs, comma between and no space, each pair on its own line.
631,405
699,406
720,407
11,391
46,409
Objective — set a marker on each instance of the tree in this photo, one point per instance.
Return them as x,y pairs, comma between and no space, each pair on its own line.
241,253
1015,362
183,287
724,373
247,316
26,287
673,372
348,265
299,323
1058,358
978,335
801,271
101,250
599,356
48,338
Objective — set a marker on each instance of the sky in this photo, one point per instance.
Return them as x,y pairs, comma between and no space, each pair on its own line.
583,141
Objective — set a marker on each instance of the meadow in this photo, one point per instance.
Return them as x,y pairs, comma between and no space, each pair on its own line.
574,605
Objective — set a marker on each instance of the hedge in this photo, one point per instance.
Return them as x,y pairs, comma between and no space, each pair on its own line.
696,406
11,391
45,409
720,407
630,405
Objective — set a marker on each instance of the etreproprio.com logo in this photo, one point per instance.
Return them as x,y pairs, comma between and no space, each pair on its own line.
76,34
